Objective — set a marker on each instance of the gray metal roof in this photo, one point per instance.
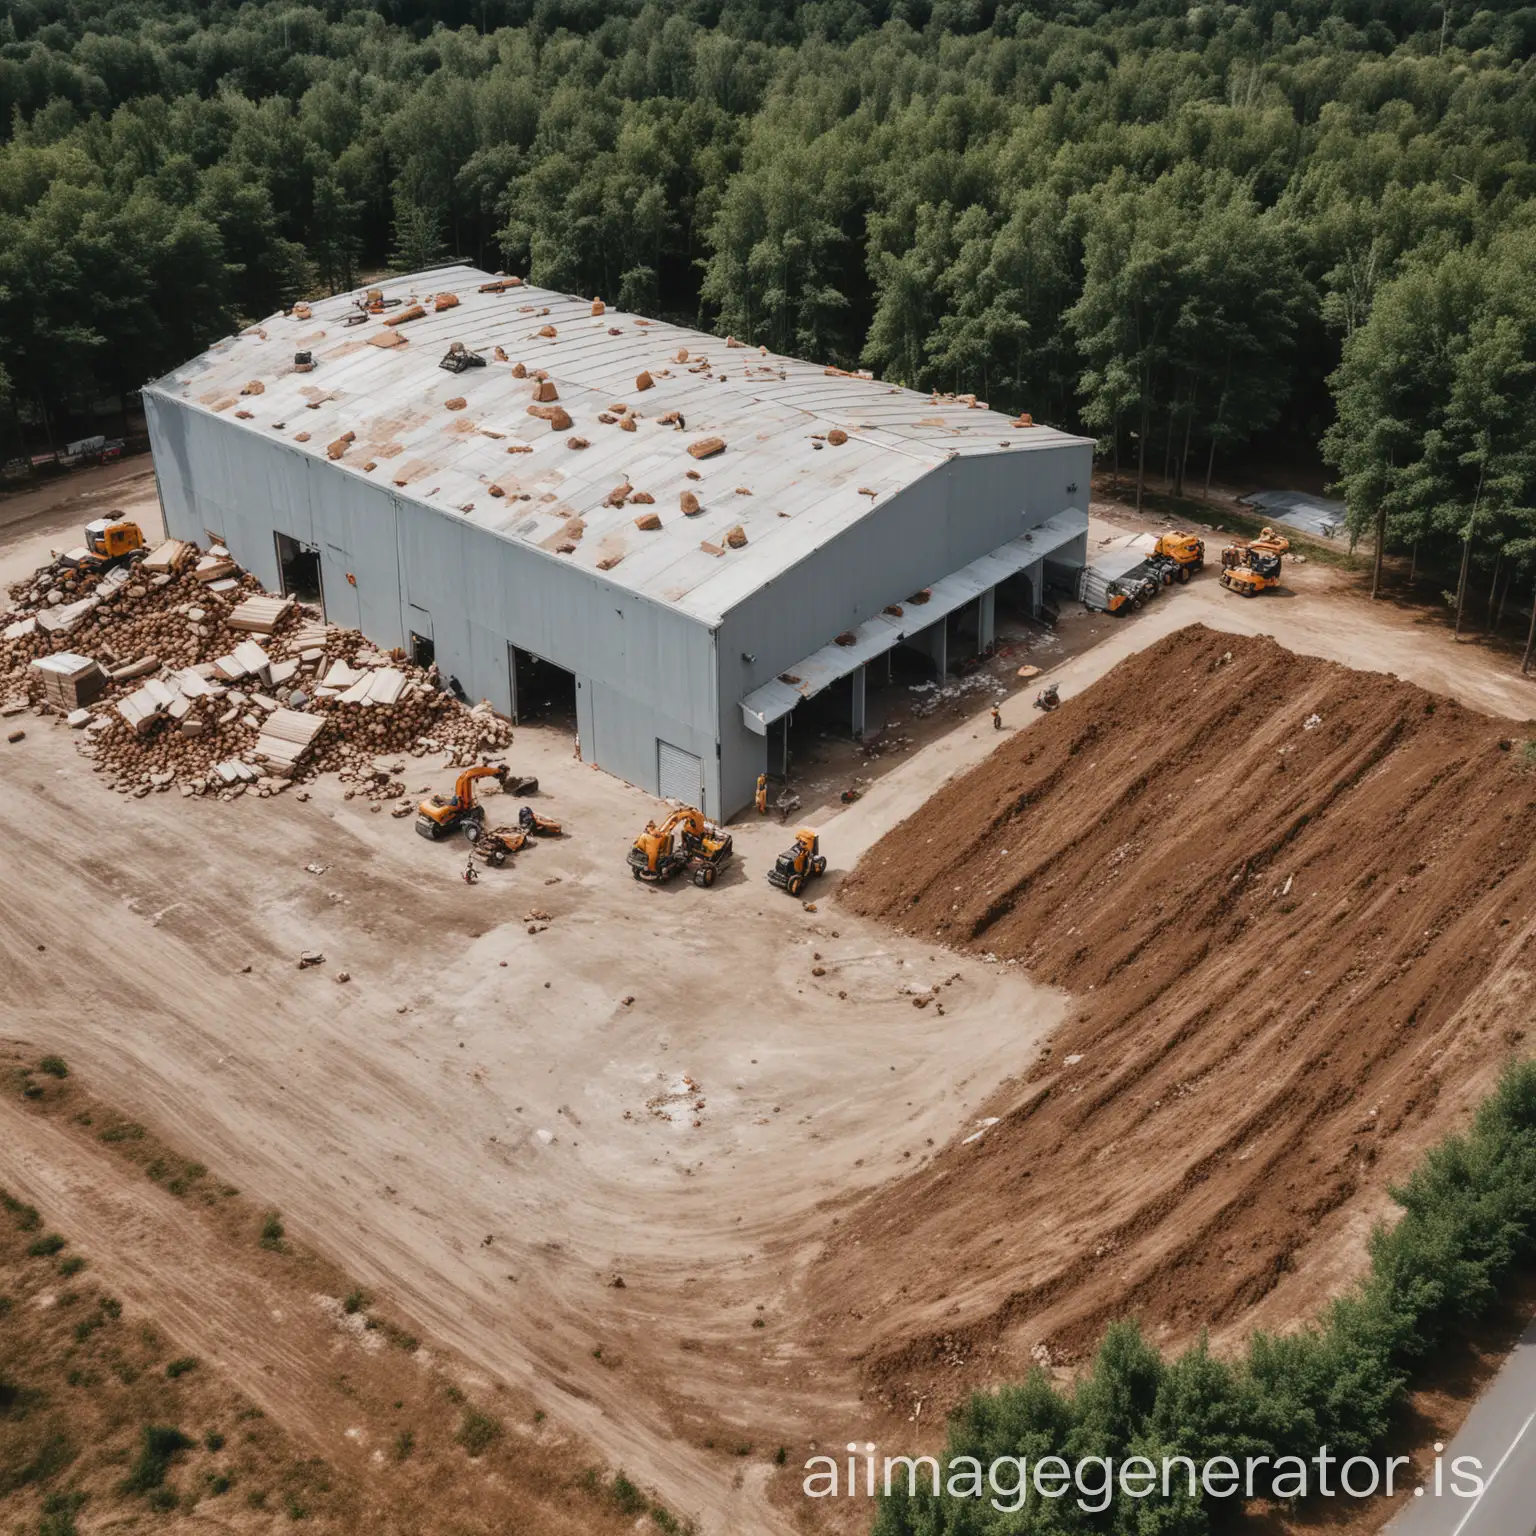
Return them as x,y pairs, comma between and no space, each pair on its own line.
773,412
874,637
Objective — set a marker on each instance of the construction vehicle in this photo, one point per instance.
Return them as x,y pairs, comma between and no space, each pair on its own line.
108,541
1177,556
804,861
1251,568
534,825
458,358
495,845
685,843
442,815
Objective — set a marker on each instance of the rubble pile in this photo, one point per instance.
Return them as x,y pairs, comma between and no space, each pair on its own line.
195,678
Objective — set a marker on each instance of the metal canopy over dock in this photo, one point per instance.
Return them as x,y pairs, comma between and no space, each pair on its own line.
874,637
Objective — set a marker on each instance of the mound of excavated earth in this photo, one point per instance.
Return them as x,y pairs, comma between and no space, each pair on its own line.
1295,904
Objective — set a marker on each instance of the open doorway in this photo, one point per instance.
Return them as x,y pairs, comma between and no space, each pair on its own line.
542,693
298,569
423,651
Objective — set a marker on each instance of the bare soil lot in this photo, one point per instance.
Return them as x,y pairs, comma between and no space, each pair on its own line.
538,1085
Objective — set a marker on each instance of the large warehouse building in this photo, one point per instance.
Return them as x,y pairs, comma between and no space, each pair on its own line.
690,594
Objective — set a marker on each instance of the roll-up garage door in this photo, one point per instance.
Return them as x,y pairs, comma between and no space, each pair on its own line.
681,775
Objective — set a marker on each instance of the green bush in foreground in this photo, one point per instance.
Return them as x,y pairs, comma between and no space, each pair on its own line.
1469,1219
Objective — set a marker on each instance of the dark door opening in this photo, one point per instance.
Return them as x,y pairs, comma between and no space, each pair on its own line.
542,692
423,652
298,569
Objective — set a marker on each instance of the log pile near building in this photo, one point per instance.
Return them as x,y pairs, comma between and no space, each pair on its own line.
180,671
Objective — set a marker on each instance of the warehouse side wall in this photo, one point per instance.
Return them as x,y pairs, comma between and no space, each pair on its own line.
645,674
965,509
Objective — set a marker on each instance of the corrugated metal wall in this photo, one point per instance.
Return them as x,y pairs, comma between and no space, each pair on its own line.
965,509
645,673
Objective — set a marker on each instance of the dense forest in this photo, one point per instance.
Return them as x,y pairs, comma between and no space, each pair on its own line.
1179,226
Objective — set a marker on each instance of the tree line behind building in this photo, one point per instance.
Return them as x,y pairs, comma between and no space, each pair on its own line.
1188,230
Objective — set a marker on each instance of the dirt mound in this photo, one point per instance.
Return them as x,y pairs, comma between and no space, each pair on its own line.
1295,904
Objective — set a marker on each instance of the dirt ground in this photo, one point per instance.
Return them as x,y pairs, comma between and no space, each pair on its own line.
1293,902
653,1085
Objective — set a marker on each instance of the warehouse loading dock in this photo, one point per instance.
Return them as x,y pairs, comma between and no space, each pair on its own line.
673,524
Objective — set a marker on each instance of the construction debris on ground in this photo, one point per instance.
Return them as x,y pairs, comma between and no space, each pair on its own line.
180,671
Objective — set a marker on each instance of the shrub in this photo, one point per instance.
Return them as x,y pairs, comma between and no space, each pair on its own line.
355,1302
478,1432
46,1247
54,1066
272,1232
124,1130
26,1216
71,1266
181,1365
161,1444
214,1440
627,1497
405,1443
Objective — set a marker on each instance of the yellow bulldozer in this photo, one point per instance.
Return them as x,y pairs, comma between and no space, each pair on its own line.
685,843
1251,568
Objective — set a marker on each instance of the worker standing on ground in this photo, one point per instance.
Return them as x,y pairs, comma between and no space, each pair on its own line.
760,797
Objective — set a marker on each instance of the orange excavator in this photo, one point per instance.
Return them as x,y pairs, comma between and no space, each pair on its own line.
685,843
443,815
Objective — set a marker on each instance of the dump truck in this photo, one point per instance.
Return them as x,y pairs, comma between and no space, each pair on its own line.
1117,581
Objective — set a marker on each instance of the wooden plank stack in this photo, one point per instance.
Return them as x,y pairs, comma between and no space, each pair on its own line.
168,557
259,615
285,740
69,681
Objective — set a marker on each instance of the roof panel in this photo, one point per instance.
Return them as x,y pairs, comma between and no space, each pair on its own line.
501,468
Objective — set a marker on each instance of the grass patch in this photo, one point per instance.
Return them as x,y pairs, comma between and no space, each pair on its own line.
272,1232
181,1365
124,1130
160,1446
405,1443
54,1066
478,1432
59,1511
71,1266
355,1302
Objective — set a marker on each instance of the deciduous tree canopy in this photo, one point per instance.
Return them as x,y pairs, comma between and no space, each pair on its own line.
1164,223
